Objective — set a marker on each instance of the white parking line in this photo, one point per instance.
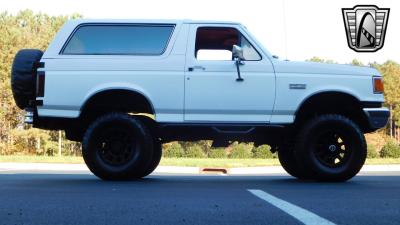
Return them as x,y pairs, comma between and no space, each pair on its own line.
297,212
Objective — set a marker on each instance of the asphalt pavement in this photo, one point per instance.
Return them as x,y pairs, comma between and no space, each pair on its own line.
78,197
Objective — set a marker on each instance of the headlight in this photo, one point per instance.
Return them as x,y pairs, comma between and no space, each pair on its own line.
378,85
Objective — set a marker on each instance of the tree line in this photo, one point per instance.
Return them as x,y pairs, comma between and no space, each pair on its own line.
27,29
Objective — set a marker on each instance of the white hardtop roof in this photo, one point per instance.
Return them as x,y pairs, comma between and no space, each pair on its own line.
161,21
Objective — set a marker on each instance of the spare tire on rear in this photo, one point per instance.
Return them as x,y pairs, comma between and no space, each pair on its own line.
23,76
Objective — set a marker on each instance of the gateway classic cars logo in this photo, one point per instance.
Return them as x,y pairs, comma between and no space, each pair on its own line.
365,27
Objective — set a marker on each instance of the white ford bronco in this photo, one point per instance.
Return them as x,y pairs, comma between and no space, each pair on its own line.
124,87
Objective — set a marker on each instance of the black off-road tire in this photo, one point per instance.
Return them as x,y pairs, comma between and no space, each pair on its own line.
157,153
117,146
288,162
23,76
331,148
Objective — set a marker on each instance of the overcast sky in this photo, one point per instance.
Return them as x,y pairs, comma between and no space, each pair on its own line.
292,29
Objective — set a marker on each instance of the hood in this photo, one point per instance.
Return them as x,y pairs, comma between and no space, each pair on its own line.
322,68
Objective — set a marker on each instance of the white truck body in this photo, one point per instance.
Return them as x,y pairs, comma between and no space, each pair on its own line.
272,91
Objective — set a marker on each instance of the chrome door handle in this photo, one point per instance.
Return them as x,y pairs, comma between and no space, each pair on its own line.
196,68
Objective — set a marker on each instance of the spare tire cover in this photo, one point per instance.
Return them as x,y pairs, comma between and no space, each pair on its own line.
23,76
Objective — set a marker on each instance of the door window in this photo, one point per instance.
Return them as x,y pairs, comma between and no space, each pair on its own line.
215,43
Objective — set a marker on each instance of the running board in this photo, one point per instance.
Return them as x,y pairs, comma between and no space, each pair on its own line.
212,131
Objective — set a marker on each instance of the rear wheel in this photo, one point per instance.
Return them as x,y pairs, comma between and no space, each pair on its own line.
117,146
157,153
331,148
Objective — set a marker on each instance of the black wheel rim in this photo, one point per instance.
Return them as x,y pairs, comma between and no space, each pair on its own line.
117,146
332,149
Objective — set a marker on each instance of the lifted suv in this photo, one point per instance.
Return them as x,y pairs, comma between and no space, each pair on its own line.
124,87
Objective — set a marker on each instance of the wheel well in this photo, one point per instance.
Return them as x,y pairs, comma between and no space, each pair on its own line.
332,103
118,100
125,101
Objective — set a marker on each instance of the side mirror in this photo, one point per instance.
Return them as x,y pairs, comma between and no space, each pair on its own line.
237,55
237,52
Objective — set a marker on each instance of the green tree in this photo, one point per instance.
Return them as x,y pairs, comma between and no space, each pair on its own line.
173,150
24,30
263,152
355,62
241,150
371,151
195,151
390,150
391,79
217,153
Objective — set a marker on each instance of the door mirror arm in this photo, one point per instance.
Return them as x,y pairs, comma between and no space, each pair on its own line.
237,55
238,62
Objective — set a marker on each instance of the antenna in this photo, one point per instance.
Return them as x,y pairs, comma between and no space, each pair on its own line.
284,28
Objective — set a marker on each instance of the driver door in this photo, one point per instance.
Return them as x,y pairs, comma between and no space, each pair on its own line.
212,93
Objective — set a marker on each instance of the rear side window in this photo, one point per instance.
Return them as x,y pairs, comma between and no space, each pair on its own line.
119,40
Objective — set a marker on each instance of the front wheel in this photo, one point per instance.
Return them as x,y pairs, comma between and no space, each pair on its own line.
331,148
288,162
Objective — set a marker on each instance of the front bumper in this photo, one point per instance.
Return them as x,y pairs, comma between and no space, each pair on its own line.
377,117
